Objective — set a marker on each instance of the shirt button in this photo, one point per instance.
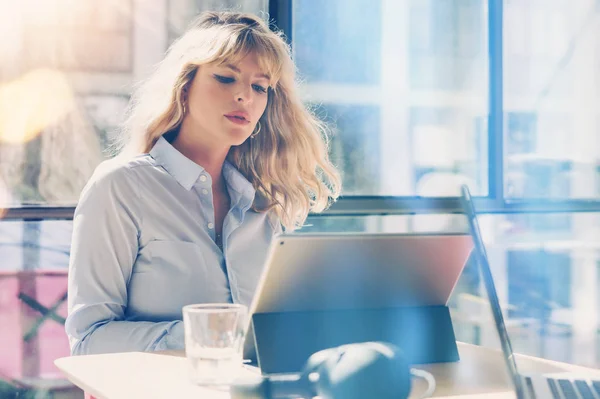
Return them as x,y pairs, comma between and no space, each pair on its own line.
202,177
204,191
210,226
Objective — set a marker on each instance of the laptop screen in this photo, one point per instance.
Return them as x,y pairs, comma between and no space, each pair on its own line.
484,266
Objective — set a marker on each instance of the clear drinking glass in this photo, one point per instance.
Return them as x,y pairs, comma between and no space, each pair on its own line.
214,341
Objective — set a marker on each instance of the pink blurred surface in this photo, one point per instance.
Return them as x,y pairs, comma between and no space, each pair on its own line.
52,340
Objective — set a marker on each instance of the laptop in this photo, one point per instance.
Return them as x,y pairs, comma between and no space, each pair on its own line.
321,272
527,386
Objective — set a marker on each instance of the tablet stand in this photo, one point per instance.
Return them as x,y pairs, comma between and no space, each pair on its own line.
284,341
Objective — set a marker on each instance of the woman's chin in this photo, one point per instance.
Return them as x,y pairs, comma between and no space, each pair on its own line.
238,138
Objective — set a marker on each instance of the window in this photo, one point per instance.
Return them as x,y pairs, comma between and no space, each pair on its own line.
536,281
87,35
550,98
413,76
355,143
66,80
447,47
327,43
547,282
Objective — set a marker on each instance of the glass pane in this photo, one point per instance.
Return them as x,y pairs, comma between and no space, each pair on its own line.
182,12
66,75
405,86
551,98
546,270
430,223
33,282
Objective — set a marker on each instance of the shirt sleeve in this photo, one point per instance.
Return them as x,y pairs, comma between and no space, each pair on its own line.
104,247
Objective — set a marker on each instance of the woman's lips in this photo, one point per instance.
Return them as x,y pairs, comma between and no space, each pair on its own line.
237,120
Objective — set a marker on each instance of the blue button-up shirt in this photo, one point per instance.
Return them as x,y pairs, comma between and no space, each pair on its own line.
144,246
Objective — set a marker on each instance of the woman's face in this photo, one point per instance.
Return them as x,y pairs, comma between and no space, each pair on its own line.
224,102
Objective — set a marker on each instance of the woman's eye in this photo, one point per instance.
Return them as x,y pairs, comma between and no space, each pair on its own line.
227,80
259,88
224,79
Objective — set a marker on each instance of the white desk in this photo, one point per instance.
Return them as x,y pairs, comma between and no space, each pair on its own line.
479,374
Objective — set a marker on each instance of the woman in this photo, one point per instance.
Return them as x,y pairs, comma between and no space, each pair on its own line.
220,153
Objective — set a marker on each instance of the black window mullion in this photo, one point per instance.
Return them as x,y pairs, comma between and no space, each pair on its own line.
37,213
362,206
496,110
280,17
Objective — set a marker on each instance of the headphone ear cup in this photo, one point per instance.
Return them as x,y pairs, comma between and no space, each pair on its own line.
366,370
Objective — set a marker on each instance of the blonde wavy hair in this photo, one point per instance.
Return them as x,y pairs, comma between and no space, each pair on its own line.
287,163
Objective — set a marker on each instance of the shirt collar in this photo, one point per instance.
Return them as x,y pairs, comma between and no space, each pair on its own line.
243,192
183,169
186,172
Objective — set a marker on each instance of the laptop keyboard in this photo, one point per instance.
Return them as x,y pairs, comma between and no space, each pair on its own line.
574,389
529,384
568,389
584,389
553,388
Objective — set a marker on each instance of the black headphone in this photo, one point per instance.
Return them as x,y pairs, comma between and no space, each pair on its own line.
365,370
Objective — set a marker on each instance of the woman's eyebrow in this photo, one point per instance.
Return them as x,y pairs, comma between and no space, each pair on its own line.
236,69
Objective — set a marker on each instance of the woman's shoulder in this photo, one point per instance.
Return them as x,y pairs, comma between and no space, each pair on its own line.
113,182
115,176
117,170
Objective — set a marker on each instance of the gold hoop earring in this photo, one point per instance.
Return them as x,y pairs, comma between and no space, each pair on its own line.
184,109
253,135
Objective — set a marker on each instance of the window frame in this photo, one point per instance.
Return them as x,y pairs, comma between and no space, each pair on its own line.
281,16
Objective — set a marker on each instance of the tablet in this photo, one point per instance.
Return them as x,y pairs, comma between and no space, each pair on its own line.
341,271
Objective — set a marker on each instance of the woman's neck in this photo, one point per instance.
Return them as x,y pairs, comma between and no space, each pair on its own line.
210,158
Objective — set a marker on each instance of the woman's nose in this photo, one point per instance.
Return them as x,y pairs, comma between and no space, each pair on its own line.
243,95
